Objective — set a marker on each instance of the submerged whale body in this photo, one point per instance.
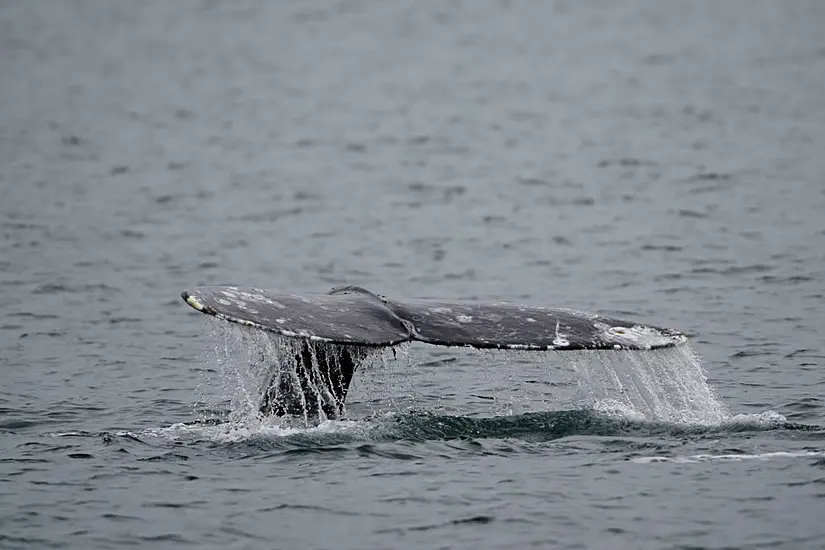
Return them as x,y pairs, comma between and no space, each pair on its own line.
334,331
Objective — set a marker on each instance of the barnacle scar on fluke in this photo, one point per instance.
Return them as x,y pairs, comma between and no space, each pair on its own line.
335,331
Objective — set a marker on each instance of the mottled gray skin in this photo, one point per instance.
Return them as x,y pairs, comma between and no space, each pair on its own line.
337,328
353,315
349,315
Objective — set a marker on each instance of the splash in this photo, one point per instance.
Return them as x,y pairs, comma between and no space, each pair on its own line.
237,368
250,429
244,360
666,385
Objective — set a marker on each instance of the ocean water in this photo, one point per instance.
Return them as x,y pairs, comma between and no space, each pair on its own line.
660,161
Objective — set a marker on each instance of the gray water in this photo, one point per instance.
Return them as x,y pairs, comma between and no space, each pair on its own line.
661,161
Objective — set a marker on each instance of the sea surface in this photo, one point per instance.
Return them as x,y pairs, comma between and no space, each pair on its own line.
657,161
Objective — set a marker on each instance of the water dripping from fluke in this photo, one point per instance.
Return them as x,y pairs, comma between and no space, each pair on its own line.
265,379
666,385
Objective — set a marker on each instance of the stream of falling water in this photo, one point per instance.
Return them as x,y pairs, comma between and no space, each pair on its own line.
667,385
243,359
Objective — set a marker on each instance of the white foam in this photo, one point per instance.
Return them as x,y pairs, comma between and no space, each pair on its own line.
233,433
766,418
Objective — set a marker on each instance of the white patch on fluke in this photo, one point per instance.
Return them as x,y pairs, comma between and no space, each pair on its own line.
560,341
524,347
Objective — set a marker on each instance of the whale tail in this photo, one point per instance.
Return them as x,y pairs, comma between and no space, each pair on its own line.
334,332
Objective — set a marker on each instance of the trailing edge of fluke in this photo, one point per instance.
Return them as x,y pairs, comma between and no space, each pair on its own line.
354,316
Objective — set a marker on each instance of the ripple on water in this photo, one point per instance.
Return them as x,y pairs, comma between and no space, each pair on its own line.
424,426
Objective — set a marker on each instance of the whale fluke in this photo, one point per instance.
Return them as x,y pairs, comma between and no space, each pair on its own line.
354,316
335,329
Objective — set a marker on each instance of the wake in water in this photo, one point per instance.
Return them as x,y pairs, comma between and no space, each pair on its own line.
408,427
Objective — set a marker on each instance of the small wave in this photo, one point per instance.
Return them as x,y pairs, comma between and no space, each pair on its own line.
71,434
763,419
691,459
